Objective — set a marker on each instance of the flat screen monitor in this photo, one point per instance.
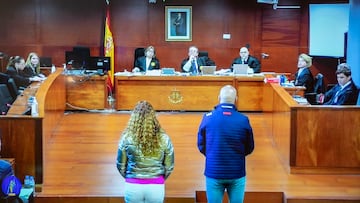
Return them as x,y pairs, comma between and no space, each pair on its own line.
78,57
75,60
99,62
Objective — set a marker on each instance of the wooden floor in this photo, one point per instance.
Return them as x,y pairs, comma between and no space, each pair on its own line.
80,161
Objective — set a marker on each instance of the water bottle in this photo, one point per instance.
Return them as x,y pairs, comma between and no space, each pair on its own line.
282,79
30,101
32,184
26,181
34,107
31,181
53,69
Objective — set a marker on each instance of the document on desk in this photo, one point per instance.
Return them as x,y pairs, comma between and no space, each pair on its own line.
301,100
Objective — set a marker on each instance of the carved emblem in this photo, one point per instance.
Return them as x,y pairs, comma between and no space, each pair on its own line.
175,97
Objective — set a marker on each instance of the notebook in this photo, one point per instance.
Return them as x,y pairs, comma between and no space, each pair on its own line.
208,70
240,69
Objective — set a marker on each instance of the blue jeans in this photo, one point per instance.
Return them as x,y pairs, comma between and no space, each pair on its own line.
144,193
235,188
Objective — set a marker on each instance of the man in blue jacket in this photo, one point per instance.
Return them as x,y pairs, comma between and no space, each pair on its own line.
225,137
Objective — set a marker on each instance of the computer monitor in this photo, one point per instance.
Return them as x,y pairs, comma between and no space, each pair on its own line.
78,57
99,63
45,61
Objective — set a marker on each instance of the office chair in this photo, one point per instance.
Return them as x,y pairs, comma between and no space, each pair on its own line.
319,86
203,53
5,99
14,91
4,78
138,53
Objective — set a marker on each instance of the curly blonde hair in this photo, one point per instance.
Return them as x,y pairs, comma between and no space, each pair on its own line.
144,128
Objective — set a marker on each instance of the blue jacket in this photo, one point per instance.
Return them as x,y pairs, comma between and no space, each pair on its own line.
225,137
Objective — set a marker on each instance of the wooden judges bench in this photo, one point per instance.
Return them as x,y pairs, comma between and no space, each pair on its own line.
310,139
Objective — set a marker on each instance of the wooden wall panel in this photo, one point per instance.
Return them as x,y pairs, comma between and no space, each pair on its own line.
52,27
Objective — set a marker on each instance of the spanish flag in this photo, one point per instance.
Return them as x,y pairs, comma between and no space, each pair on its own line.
109,47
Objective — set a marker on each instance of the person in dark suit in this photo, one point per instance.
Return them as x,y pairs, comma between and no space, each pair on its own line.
245,58
303,76
179,25
345,92
15,66
193,63
148,61
225,138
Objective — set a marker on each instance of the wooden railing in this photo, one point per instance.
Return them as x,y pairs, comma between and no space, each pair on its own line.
314,139
23,135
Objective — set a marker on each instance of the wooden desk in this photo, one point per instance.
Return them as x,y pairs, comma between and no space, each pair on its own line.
23,135
20,105
297,90
315,139
86,92
191,93
325,139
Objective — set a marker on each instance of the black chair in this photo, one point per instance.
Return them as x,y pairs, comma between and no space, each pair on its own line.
138,53
319,86
5,99
14,91
203,53
4,78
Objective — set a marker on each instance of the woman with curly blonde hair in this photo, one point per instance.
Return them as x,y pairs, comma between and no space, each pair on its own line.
145,156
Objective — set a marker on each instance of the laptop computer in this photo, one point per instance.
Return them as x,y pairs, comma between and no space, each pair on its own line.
45,62
208,70
168,71
240,69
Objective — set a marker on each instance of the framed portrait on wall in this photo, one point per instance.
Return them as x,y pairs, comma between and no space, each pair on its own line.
178,23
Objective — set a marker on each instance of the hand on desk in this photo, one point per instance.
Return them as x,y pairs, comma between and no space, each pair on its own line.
135,70
37,79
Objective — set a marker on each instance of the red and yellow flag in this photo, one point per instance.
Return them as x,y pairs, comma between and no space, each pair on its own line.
109,47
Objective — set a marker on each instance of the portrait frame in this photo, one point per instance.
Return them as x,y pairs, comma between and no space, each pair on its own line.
178,23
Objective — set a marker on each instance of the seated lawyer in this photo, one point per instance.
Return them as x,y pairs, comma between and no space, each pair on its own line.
32,66
245,58
345,92
193,63
147,62
15,66
303,76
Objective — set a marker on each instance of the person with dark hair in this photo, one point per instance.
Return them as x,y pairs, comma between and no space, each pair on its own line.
145,156
14,68
246,58
148,61
225,138
303,76
345,92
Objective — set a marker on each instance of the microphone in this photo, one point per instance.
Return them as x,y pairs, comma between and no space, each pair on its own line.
265,55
